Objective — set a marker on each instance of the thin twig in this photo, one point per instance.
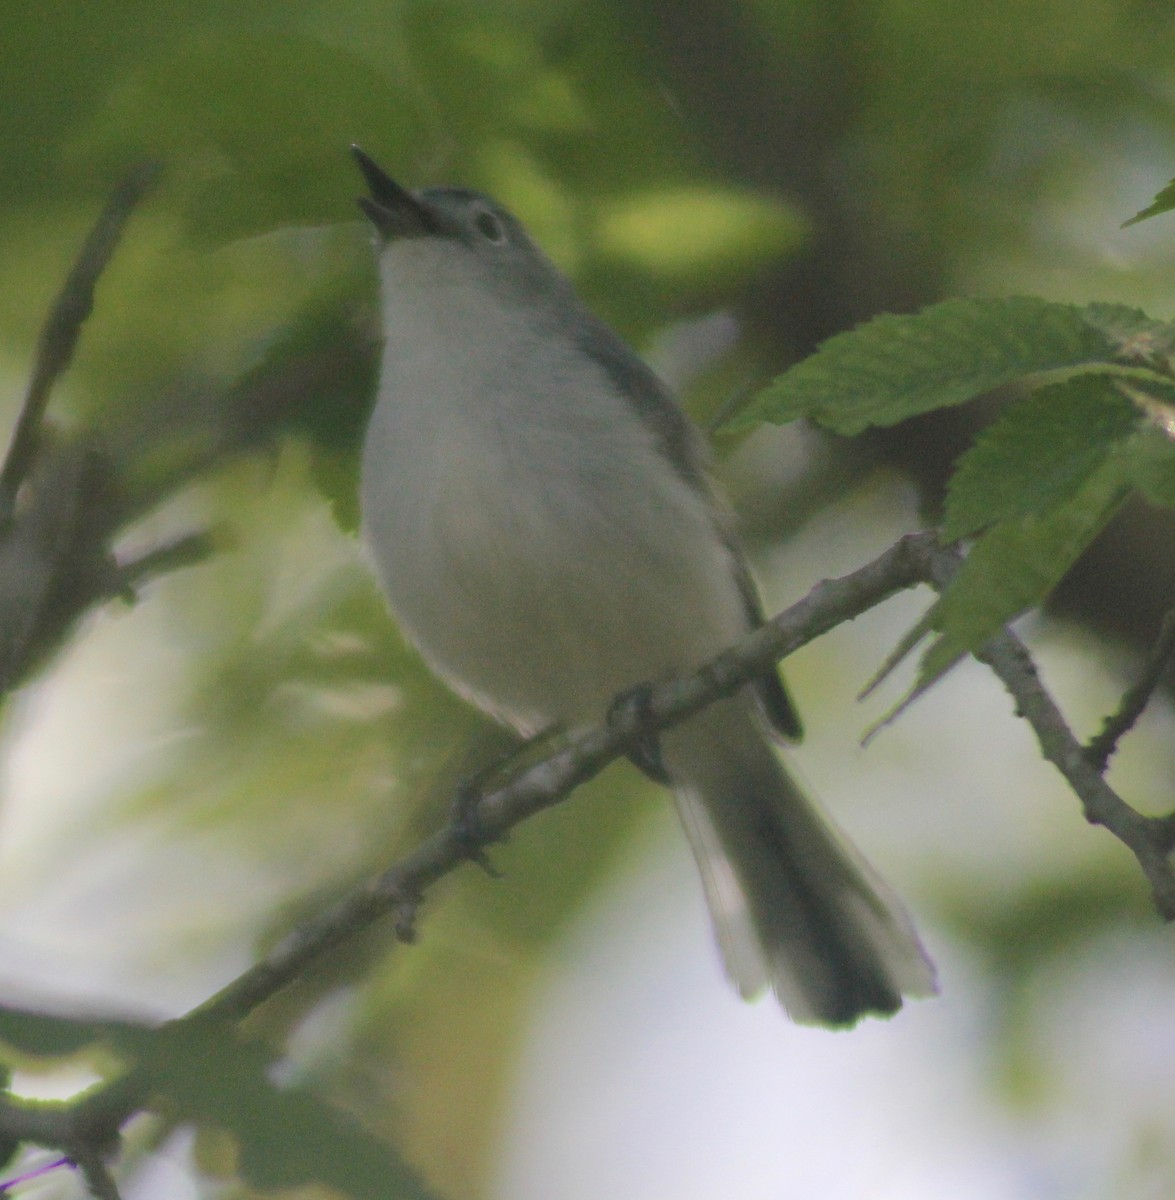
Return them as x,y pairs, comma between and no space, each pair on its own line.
62,328
99,1180
1101,747
1149,839
186,550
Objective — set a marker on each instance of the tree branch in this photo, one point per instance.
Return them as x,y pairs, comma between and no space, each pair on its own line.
1150,839
54,562
95,1118
584,755
83,1127
98,1179
63,327
1134,701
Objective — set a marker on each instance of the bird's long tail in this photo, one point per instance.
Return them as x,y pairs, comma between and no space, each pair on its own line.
793,904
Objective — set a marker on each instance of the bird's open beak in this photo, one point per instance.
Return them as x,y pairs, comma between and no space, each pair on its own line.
393,210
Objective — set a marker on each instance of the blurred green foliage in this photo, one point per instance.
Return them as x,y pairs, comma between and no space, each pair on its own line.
1045,478
802,164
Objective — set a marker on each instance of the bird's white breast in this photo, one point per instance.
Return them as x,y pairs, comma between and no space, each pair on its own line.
527,531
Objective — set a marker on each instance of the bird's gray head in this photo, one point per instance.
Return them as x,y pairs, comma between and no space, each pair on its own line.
478,236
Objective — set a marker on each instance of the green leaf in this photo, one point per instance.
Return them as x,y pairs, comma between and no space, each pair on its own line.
1150,459
286,1136
46,1035
1163,202
1015,565
1037,454
896,367
1137,338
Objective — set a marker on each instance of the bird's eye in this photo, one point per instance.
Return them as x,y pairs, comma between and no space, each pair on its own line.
489,226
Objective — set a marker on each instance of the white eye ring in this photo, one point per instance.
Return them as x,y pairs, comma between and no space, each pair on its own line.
490,226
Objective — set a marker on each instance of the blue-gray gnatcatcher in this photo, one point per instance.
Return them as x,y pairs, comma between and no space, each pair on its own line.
538,512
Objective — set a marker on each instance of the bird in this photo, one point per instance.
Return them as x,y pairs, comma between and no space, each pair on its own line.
539,514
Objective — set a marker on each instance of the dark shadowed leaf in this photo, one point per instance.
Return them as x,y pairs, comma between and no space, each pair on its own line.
1015,565
1037,454
286,1136
50,1036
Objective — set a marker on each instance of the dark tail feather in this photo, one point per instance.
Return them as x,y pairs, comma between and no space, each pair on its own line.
794,905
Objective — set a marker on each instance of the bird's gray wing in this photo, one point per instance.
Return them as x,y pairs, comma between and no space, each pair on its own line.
681,443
